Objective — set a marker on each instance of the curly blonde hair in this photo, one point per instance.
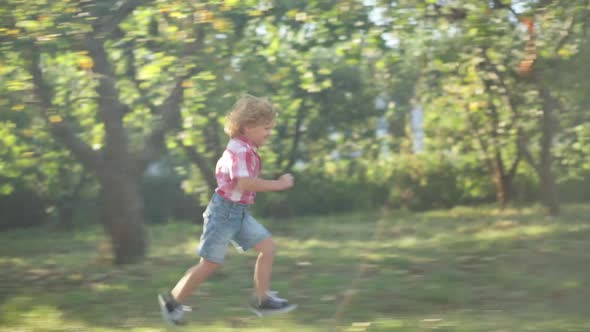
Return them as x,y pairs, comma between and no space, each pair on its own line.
248,111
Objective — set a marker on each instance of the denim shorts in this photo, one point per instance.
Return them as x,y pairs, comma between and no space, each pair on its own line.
228,222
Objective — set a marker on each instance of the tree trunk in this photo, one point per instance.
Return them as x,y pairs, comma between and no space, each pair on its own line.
502,189
122,216
549,194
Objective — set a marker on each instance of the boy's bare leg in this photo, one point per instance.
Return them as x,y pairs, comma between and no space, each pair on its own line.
192,279
263,269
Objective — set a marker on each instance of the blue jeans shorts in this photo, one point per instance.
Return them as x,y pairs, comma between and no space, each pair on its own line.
228,222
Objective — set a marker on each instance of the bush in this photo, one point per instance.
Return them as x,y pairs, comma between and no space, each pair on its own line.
21,208
575,189
421,182
415,182
315,193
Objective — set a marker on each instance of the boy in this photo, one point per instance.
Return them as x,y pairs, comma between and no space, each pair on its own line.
227,217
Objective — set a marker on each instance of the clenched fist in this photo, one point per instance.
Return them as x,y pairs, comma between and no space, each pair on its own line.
286,180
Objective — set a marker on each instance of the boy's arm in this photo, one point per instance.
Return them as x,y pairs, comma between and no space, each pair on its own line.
285,181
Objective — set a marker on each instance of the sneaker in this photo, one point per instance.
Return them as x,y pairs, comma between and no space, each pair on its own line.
275,296
271,305
172,315
270,293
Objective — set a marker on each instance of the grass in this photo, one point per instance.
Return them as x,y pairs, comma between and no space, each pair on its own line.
465,269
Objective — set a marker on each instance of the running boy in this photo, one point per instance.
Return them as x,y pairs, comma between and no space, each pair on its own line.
227,218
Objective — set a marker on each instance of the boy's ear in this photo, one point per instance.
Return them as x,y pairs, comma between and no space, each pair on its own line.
244,129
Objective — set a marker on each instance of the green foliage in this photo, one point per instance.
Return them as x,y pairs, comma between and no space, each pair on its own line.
416,182
424,182
575,189
316,193
325,64
21,208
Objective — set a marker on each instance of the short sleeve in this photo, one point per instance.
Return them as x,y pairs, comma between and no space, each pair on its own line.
241,165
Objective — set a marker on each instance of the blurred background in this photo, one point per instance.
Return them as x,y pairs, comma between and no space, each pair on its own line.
389,113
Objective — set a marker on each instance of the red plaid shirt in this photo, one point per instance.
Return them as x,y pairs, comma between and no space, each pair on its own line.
239,160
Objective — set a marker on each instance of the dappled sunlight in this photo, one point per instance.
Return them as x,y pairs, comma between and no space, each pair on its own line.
102,287
410,273
312,246
383,117
479,212
318,243
522,231
503,229
24,313
188,248
15,261
468,320
408,242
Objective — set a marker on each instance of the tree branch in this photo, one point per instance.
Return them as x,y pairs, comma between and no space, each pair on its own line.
296,138
509,98
515,163
451,14
482,143
564,38
203,165
132,75
108,24
170,111
170,108
59,130
528,156
511,105
110,108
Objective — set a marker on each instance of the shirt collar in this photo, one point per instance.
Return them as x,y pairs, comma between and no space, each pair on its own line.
244,140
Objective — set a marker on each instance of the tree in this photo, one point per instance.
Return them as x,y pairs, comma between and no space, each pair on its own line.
74,45
472,56
561,26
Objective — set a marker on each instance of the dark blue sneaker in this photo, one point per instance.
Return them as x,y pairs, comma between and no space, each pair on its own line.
271,305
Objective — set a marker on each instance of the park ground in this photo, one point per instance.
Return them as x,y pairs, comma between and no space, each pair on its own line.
465,269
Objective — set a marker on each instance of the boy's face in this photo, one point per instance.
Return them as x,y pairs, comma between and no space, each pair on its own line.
258,134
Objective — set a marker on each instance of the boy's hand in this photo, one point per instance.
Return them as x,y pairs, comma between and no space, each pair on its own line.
286,181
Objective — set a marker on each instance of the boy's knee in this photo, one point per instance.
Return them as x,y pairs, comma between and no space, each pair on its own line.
269,249
208,265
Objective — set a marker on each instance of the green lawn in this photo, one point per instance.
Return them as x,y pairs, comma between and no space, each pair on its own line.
465,269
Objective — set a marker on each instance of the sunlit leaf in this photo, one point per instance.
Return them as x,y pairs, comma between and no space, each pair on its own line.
5,189
204,16
18,107
221,25
55,119
86,62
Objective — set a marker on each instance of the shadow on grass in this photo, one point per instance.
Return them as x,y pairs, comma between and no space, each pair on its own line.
390,271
